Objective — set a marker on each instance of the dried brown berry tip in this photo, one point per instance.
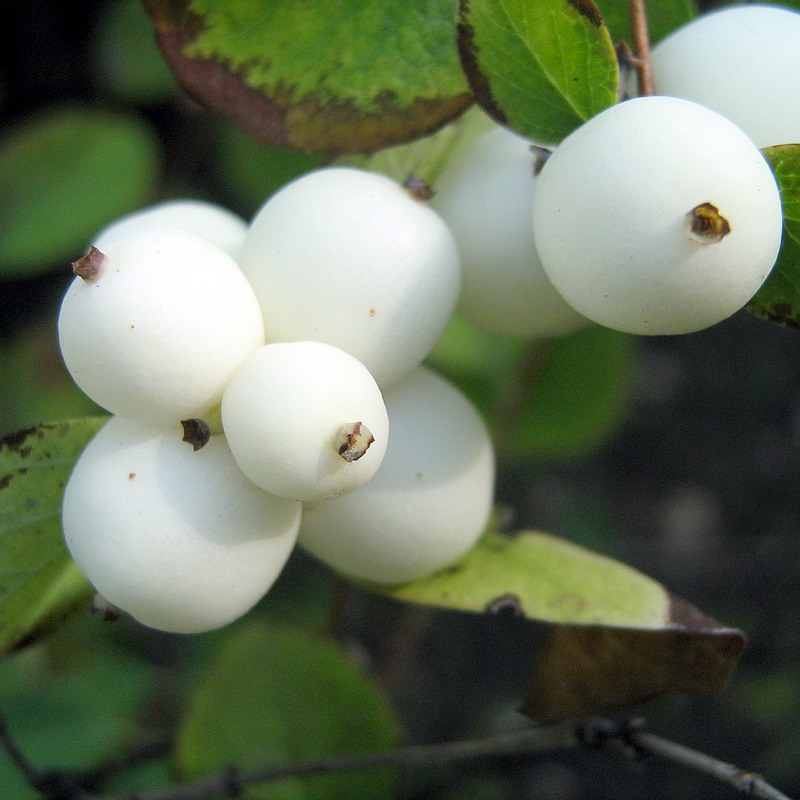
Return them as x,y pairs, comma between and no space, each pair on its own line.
705,225
353,441
88,266
540,156
418,189
196,433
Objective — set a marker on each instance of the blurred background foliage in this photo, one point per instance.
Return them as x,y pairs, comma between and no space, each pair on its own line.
678,455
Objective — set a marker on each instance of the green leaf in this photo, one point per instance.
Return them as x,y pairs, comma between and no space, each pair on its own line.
663,17
277,696
252,171
65,173
481,364
778,300
39,583
576,392
620,637
426,157
321,76
35,384
78,700
541,67
555,398
544,578
127,58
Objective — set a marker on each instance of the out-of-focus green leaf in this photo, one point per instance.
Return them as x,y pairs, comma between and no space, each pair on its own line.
34,384
574,391
252,171
282,695
778,300
64,173
323,76
39,583
620,637
480,363
427,157
73,701
542,67
127,57
663,17
554,398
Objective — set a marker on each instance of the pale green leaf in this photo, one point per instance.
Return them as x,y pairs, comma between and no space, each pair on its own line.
545,578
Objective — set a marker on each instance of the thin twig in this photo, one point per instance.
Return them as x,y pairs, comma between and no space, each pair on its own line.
341,592
641,47
139,754
594,733
32,775
746,782
230,783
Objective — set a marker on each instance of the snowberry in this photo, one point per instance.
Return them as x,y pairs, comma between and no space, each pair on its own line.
156,325
657,216
220,226
486,196
429,501
742,61
350,258
179,539
305,420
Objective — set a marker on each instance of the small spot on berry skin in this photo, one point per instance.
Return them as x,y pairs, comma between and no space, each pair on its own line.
88,266
705,225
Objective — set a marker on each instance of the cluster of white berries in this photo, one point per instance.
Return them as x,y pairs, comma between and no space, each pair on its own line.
266,380
658,215
266,386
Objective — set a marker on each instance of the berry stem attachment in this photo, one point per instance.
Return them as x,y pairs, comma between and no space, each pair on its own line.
418,189
353,440
705,225
196,432
88,266
641,47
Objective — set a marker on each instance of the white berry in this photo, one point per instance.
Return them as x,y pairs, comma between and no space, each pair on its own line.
350,258
742,61
181,540
657,216
486,196
305,420
215,223
429,501
158,328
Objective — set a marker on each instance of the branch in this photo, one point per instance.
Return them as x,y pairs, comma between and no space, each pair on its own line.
641,47
231,783
593,734
746,782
